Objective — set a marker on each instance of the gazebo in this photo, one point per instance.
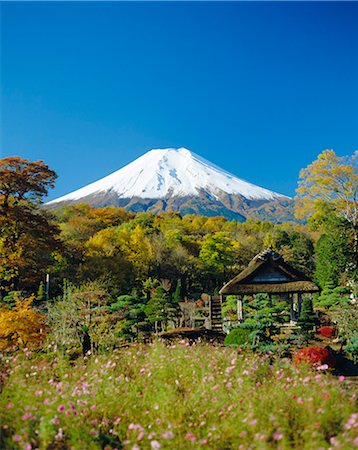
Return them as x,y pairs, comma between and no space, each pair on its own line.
269,273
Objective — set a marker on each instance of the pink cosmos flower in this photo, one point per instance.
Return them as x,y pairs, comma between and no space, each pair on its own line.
16,438
155,445
168,435
9,405
61,408
190,437
277,436
140,435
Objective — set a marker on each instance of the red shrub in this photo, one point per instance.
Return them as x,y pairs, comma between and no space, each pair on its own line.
327,332
315,356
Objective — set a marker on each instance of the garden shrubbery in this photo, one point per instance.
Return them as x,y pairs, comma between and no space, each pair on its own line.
327,331
238,337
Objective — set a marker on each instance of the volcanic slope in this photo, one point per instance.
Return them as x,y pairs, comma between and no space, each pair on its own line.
179,180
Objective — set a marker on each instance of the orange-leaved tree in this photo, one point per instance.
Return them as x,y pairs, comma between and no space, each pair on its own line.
21,326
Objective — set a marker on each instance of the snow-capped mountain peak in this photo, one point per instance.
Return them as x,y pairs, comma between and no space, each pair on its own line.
167,173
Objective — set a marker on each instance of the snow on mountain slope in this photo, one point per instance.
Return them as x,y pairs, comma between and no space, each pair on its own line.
163,173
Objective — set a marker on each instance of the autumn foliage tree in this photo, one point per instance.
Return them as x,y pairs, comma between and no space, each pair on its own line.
330,181
328,194
27,235
21,326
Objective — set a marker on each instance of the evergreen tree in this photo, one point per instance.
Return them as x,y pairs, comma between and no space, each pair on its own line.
161,309
133,309
177,297
41,293
333,253
308,318
333,295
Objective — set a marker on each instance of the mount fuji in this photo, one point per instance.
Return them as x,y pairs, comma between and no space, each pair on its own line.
179,180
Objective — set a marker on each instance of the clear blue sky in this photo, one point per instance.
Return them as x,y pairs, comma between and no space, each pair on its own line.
257,88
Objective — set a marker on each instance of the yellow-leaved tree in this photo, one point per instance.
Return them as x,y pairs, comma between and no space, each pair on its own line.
22,326
330,183
136,248
330,179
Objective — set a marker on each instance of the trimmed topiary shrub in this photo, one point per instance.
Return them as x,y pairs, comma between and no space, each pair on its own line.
315,356
352,348
238,337
308,317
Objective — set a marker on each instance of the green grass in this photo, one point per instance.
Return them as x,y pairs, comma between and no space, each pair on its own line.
172,397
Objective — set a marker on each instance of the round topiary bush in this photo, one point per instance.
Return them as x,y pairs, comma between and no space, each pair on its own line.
315,356
238,337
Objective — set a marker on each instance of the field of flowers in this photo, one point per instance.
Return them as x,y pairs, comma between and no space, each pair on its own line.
177,396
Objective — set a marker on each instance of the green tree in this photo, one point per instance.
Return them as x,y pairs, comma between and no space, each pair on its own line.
217,254
134,320
177,296
161,309
41,293
333,295
308,318
81,317
332,255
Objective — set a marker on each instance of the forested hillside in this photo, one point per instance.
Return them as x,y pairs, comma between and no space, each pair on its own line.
124,250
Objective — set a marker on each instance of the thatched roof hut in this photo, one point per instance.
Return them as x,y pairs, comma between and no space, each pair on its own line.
269,273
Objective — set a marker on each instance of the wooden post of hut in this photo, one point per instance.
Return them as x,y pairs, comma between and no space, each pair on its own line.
299,303
293,314
240,312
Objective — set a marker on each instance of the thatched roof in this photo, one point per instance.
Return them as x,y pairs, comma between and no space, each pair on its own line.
269,273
